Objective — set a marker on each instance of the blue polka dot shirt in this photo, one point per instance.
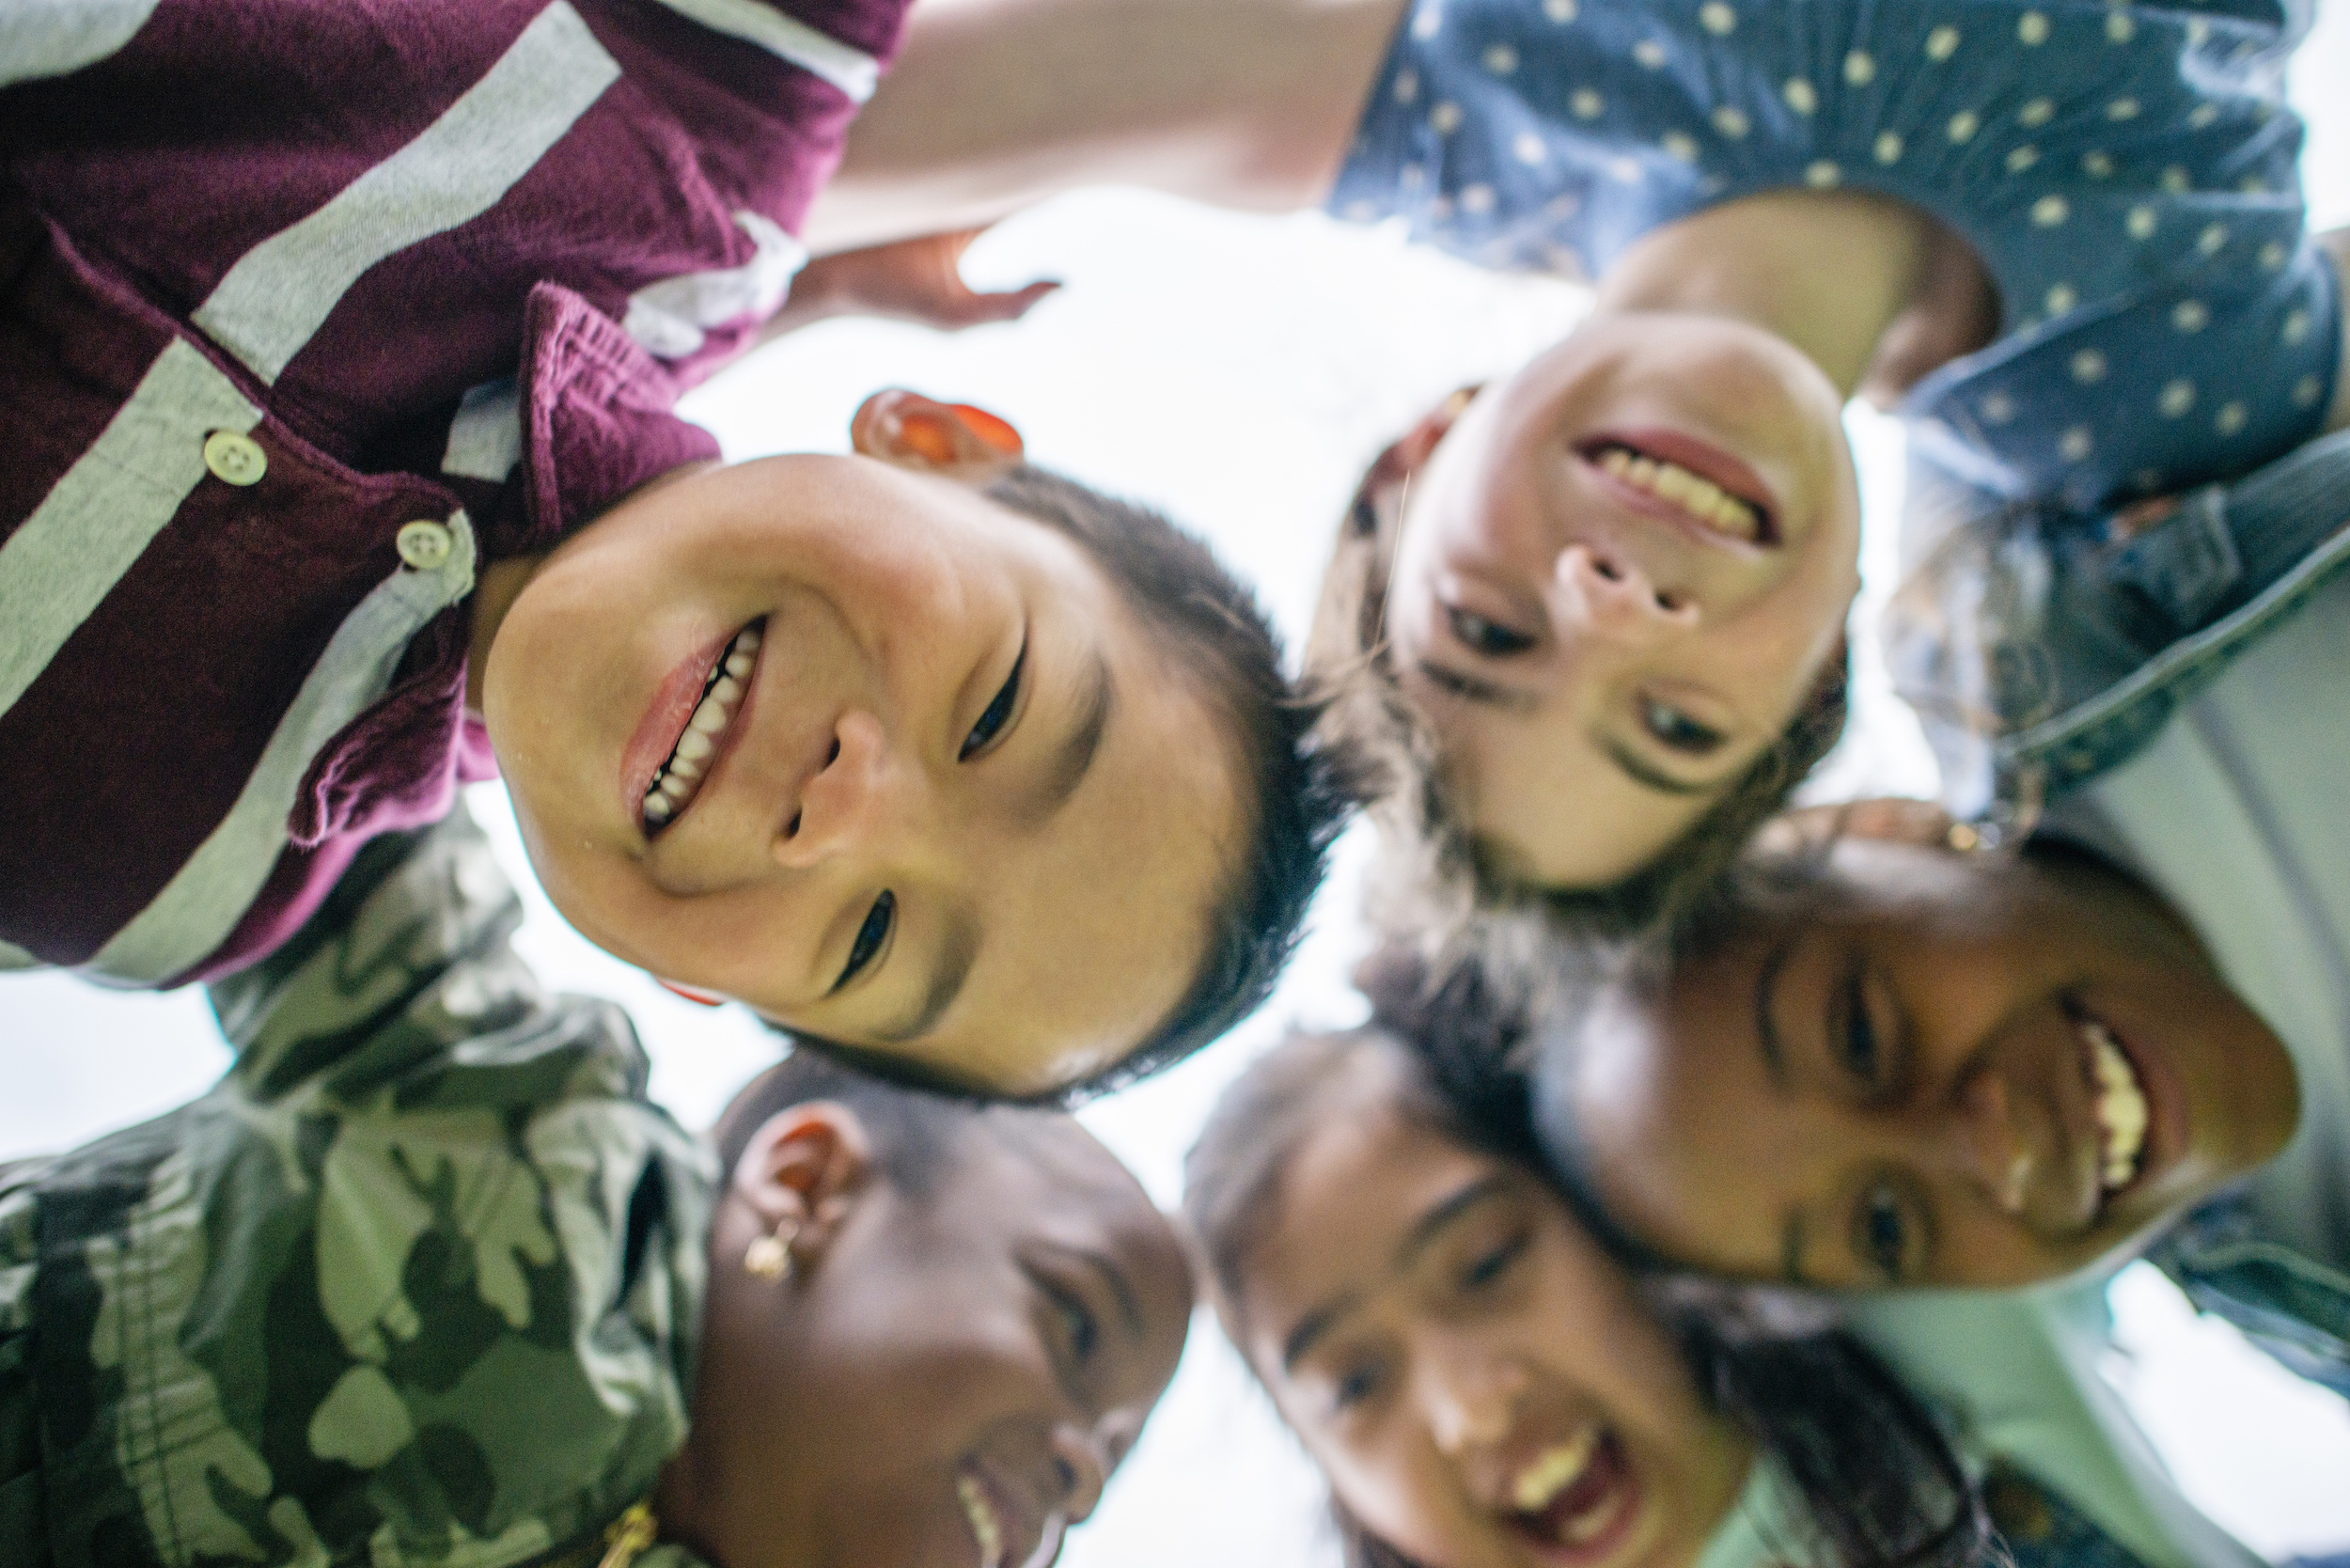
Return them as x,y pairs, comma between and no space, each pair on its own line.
2127,175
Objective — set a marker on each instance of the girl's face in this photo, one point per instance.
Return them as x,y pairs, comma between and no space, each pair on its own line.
1950,1072
1617,580
1475,1377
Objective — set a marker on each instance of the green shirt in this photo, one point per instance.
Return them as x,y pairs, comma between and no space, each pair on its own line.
418,1282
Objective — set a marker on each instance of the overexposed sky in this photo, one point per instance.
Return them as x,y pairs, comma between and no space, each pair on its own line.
1239,372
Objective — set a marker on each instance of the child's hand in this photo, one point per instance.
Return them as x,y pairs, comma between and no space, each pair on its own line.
910,280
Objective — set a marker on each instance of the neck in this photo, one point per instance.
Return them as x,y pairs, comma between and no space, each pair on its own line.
1831,272
495,588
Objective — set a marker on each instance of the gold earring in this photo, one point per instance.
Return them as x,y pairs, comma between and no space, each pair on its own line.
769,1257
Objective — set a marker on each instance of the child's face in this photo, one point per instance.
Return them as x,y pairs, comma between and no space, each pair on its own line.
1473,1374
959,811
1604,644
1955,1072
949,1381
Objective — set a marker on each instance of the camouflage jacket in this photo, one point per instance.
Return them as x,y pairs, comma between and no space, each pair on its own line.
418,1282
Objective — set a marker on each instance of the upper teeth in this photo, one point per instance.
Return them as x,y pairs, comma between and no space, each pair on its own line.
680,777
2121,1106
1701,497
1554,1470
984,1526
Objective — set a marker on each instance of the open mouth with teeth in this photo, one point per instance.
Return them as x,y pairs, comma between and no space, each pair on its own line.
1576,1498
987,1526
680,777
2121,1105
1712,490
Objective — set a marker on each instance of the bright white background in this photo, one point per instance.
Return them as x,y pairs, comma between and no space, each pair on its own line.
1239,372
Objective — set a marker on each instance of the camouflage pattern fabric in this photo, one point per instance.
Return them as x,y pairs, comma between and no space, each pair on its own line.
419,1282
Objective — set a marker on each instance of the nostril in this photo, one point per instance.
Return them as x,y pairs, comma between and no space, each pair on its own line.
1606,568
791,828
834,755
1067,1474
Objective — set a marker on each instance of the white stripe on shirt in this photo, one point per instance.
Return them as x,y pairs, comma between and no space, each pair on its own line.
52,37
196,912
853,71
485,440
96,521
671,317
278,294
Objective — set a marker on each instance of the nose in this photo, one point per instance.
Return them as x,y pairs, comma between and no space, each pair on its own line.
1470,1399
1983,1143
1600,594
1082,1464
859,793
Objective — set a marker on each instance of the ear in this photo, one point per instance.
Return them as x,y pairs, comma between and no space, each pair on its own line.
803,1171
954,441
1393,468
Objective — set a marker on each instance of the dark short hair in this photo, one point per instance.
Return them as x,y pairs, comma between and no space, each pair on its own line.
913,1132
1876,1480
1297,789
1442,878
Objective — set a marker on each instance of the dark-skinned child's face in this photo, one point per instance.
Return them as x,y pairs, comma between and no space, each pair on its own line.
945,1379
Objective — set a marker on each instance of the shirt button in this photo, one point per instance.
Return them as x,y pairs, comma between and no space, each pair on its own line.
424,545
235,459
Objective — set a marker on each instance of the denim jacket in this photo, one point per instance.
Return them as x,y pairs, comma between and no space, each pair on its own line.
2290,1305
2041,649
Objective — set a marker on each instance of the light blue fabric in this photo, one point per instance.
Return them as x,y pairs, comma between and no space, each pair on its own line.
2127,173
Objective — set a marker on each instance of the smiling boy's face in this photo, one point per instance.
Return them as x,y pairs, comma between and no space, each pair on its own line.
848,741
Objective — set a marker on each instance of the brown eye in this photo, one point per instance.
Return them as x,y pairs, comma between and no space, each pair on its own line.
1888,1234
1489,638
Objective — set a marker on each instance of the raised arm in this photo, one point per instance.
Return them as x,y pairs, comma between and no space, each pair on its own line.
994,104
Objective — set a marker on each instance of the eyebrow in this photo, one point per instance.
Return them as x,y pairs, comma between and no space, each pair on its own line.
955,954
1472,688
1314,1324
1129,1305
1766,1007
1096,698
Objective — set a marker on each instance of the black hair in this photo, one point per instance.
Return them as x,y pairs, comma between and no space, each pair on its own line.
913,1132
1874,1477
1296,789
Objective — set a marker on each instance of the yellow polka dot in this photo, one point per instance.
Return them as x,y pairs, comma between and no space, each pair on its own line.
2177,180
1716,18
2273,256
2305,392
2089,367
1626,169
2032,30
2191,315
2021,158
2140,222
2050,210
1586,104
2121,109
2296,327
1998,408
1823,175
1964,125
1427,23
2198,33
1800,95
1406,87
1564,204
2061,298
1730,121
2176,398
2120,28
1561,11
1859,69
1478,200
1888,147
1501,60
1650,54
2212,240
2201,115
1677,144
1445,118
1530,148
2252,184
1941,43
2075,444
2233,418
2097,165
2037,113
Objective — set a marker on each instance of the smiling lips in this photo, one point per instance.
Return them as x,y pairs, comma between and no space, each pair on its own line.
986,1529
2121,1113
1572,1498
679,778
